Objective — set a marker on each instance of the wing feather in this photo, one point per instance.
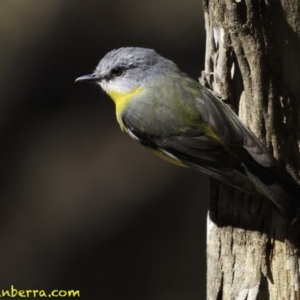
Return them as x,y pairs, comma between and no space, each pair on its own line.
227,124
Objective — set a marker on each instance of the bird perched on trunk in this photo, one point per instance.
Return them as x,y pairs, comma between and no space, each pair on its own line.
182,121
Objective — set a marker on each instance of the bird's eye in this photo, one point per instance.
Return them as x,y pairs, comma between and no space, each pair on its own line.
117,72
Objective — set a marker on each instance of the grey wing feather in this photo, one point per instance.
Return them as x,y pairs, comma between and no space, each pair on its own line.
208,156
227,124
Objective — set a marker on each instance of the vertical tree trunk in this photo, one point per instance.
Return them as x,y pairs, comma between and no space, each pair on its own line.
253,51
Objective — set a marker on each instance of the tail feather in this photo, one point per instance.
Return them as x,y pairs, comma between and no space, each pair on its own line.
283,192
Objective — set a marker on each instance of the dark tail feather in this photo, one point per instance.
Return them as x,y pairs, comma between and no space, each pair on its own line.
283,192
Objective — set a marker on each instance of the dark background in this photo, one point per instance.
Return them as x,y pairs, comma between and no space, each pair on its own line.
82,205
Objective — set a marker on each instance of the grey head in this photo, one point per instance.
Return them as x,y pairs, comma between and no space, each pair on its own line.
124,69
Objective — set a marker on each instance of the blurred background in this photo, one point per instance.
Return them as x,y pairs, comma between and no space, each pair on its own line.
82,205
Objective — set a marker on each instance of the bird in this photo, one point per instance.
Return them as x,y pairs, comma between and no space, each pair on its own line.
183,122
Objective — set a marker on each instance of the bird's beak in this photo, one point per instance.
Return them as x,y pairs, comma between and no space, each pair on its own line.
91,77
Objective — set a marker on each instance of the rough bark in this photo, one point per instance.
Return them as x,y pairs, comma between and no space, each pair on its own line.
253,51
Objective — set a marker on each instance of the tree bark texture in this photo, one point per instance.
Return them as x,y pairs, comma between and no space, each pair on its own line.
253,63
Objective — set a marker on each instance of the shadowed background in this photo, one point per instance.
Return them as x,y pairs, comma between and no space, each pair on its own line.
82,205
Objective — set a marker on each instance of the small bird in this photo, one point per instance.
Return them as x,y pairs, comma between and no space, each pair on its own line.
185,123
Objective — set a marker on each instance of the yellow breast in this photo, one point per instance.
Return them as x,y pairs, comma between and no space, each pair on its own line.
121,100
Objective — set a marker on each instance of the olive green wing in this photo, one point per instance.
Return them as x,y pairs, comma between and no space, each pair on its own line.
206,155
200,152
227,125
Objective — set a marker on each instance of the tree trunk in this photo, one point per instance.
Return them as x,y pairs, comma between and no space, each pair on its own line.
253,51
